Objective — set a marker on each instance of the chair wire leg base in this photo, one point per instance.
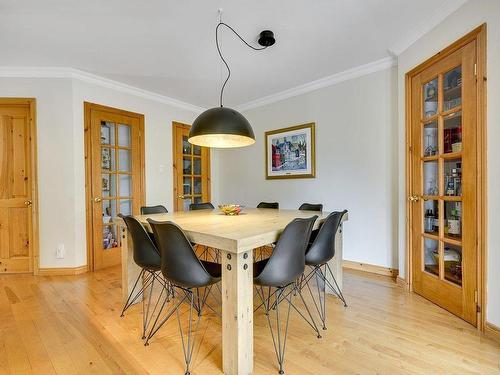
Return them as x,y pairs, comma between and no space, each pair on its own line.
279,338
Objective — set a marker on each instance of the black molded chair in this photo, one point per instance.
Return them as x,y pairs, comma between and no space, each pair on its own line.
280,274
318,254
186,274
274,205
149,210
311,207
146,256
201,206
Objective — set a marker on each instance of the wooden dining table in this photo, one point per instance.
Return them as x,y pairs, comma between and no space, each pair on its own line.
236,237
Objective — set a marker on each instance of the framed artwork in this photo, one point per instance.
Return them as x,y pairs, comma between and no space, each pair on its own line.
290,152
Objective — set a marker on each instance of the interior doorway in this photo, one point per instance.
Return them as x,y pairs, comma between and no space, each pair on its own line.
18,186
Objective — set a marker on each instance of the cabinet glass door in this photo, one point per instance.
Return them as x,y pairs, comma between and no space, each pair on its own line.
443,163
191,170
116,180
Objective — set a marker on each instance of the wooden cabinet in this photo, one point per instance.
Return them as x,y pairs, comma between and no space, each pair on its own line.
444,190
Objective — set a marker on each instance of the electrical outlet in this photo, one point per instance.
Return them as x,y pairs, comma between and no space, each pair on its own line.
60,251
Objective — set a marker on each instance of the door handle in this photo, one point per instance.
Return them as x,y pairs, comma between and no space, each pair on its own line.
414,198
181,197
28,203
97,199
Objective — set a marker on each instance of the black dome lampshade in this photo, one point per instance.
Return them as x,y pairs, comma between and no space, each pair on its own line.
221,127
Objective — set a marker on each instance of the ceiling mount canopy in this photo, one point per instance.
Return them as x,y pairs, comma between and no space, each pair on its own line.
223,127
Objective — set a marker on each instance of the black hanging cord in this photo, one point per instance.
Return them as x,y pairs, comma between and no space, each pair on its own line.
222,57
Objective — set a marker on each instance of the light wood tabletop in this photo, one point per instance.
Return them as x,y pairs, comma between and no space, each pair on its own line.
235,237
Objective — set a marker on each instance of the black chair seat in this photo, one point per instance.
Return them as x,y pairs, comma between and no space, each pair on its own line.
149,210
201,206
273,205
214,269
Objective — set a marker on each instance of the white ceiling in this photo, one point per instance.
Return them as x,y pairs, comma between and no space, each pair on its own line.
167,46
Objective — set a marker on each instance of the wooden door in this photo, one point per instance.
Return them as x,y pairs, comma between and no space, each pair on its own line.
191,170
444,175
16,186
115,173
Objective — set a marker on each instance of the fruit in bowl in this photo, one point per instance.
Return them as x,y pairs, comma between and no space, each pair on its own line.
230,209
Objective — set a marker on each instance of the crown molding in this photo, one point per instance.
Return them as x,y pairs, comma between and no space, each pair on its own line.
62,72
437,16
334,79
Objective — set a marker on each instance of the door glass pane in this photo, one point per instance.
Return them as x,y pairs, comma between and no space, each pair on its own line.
186,146
431,178
453,177
197,185
452,88
107,133
125,185
196,150
453,220
430,140
108,161
453,132
453,264
186,165
108,210
123,135
431,256
186,186
431,217
109,238
197,166
198,200
108,185
126,206
124,160
430,98
186,203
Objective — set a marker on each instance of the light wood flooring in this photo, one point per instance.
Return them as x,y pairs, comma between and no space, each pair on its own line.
71,325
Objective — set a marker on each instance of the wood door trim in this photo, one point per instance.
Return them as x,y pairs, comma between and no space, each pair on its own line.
180,125
31,102
479,36
88,108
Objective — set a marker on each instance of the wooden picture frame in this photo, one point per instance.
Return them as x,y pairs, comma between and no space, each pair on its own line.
295,146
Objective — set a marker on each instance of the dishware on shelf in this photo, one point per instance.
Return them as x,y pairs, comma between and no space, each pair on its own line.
230,209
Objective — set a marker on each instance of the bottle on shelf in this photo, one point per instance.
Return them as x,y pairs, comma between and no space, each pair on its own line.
436,221
429,221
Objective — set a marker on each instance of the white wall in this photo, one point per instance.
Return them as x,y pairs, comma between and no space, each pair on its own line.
355,161
61,164
55,162
465,19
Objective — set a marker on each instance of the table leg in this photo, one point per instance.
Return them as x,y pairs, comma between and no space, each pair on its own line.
336,262
130,270
237,313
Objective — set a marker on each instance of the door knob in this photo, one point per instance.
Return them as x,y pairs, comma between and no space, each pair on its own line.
28,203
181,197
97,199
414,198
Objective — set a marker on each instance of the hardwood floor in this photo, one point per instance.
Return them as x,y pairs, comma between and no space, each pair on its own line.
71,325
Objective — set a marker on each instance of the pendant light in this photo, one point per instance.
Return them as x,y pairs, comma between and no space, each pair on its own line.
223,127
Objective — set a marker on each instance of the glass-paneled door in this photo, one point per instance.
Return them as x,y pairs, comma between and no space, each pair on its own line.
191,170
443,156
116,178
